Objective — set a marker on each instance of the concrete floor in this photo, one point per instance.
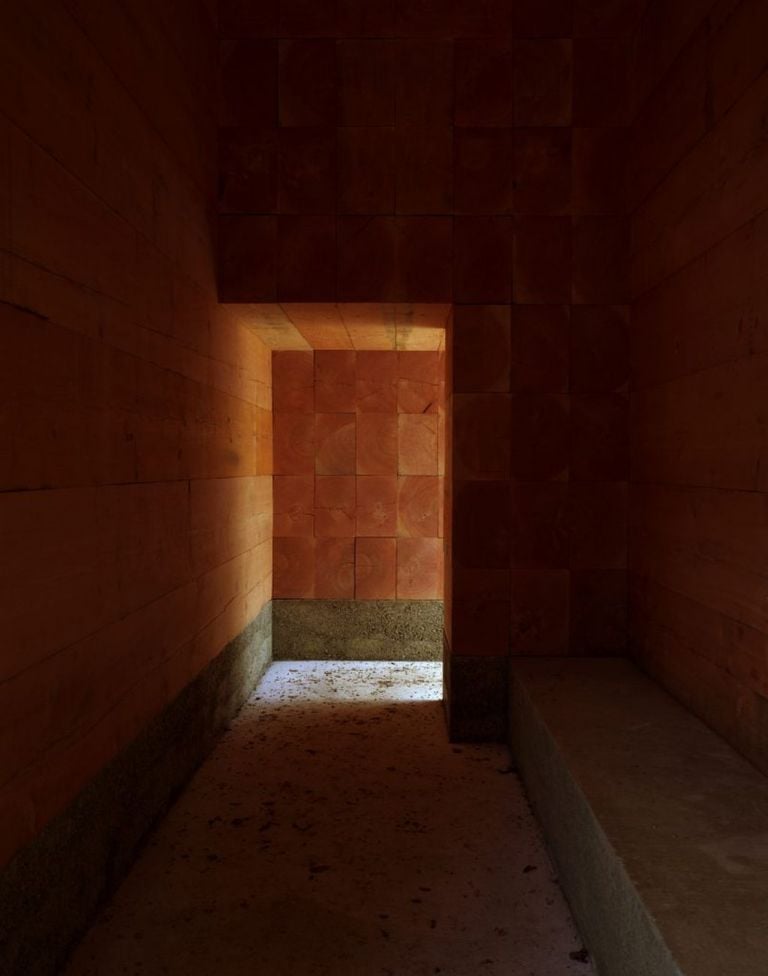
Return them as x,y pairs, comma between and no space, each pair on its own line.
335,832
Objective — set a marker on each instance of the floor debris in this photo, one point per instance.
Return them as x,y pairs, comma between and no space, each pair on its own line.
351,810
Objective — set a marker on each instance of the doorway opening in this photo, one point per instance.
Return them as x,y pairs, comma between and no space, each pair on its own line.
359,461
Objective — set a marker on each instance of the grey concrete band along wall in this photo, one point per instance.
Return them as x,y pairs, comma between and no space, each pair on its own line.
50,890
358,630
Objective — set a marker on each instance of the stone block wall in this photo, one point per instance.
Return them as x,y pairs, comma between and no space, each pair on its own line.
699,494
359,463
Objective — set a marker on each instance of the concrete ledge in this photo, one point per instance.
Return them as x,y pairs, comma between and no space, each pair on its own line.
659,829
358,630
50,890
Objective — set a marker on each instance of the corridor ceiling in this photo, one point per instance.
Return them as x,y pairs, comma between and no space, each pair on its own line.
348,325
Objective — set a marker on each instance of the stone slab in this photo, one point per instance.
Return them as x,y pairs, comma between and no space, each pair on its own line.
358,630
50,891
658,827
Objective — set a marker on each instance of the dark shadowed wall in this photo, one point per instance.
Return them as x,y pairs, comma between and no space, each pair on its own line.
699,194
469,152
135,425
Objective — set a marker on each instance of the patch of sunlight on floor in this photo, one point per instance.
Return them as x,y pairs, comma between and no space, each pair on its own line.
353,681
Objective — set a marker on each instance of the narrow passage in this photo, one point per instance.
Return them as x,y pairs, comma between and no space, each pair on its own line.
335,832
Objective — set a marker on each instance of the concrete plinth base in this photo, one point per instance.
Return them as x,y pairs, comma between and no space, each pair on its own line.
50,891
659,829
358,630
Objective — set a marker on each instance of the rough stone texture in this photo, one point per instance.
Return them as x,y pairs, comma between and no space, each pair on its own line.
50,891
657,826
476,698
334,832
358,630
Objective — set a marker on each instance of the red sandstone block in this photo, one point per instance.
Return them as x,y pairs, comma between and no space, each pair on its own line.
598,600
424,18
308,87
366,176
441,501
335,443
484,170
243,18
307,182
601,260
335,506
607,18
377,506
418,506
419,569
539,348
248,83
672,119
424,164
543,82
480,612
539,611
599,168
335,381
599,348
294,571
376,382
542,260
367,71
247,259
294,444
678,328
482,18
17,821
375,569
480,525
335,569
601,81
417,443
294,502
366,259
424,82
481,431
264,436
709,195
482,259
418,383
542,171
599,441
357,19
247,170
424,247
306,255
307,18
484,69
737,54
539,525
377,443
293,381
539,448
597,517
481,345
532,18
